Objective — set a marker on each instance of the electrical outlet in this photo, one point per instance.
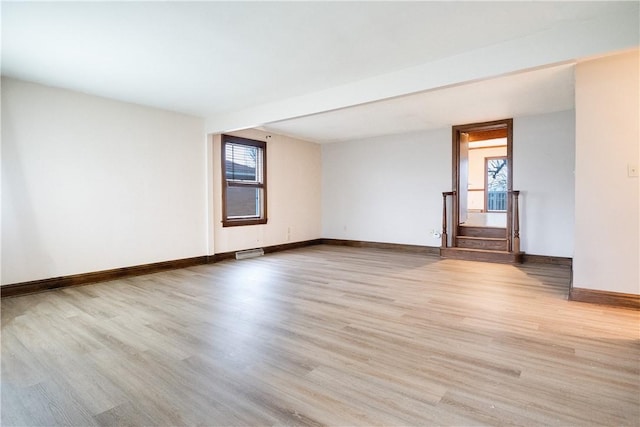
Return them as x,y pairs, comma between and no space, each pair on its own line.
632,169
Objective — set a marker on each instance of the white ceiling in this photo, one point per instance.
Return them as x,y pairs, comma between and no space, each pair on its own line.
527,93
221,60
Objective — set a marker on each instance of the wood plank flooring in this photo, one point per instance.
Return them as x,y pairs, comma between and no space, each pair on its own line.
325,335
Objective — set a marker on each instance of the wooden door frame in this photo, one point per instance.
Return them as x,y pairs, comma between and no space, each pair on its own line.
487,129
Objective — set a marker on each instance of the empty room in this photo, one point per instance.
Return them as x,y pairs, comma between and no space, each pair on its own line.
320,213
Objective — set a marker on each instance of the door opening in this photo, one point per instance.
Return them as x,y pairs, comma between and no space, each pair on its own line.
482,177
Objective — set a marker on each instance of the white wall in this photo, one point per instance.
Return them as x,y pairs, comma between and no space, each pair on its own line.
90,184
543,165
477,170
293,195
389,189
607,238
386,189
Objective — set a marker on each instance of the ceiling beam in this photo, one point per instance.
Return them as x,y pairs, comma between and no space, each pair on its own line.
565,42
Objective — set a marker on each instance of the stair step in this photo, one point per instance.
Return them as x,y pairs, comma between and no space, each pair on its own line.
490,243
495,232
482,255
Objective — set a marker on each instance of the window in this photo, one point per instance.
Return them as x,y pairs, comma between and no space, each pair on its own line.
496,183
244,181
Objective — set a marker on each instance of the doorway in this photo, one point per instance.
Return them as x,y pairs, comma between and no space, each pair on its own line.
482,180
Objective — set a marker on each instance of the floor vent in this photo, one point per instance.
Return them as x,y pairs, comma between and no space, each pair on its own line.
251,253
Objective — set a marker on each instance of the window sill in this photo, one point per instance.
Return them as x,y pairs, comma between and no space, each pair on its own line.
241,222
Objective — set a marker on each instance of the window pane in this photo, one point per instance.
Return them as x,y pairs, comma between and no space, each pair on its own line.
243,163
497,175
497,184
243,202
244,181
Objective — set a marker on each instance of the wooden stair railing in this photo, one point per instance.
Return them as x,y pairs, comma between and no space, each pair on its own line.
516,221
445,238
513,222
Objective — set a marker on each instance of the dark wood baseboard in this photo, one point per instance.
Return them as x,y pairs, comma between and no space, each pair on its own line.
293,245
526,258
615,299
428,250
544,259
34,286
268,249
24,288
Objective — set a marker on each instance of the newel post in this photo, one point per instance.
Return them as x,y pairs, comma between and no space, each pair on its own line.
444,241
445,238
516,223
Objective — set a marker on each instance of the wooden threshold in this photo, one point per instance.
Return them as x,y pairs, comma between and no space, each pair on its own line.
482,255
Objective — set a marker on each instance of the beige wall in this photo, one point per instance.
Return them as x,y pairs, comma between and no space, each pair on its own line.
91,184
401,200
387,188
543,165
607,220
293,195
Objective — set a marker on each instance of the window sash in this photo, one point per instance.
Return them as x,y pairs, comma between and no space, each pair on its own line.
248,158
244,204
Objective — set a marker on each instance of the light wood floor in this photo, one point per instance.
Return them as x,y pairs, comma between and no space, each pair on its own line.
325,335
